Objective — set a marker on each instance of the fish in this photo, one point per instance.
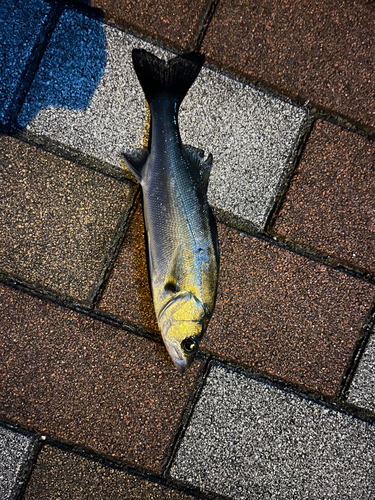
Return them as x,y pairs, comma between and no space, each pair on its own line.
181,235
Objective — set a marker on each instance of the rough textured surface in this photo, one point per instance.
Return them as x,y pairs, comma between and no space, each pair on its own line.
85,382
277,312
176,23
15,449
59,474
249,440
88,98
251,134
362,388
330,204
317,50
58,221
127,294
22,26
285,315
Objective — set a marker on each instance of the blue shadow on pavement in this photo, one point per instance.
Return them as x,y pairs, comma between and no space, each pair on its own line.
71,68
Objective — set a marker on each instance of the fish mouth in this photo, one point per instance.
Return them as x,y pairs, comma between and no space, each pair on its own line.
180,364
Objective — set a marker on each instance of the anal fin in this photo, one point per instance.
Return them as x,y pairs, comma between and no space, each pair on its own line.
135,161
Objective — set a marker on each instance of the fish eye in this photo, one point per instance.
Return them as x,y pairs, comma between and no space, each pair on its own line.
189,345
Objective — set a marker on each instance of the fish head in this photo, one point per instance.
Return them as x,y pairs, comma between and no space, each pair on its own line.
182,323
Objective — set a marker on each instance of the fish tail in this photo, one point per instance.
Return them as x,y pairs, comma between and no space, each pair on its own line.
174,77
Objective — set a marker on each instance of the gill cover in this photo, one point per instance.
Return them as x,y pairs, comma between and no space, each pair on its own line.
181,323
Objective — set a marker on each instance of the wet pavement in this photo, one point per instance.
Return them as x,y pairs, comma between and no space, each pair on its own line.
279,402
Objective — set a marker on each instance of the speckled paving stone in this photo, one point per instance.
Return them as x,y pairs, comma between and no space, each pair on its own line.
251,135
322,51
330,204
60,474
15,451
86,94
58,220
250,440
362,389
22,28
177,24
85,382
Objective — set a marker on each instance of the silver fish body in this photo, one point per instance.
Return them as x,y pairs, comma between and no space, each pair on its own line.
181,232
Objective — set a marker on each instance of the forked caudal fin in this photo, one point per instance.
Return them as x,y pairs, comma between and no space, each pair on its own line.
174,77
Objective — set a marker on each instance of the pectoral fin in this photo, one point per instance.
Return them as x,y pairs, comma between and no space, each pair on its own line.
135,161
171,280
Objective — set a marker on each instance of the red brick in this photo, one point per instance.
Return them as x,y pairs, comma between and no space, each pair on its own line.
322,51
127,294
276,312
85,382
177,24
330,204
285,315
60,474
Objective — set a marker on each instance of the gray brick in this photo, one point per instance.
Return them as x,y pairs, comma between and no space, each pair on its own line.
86,94
15,451
59,221
22,26
249,440
250,134
362,388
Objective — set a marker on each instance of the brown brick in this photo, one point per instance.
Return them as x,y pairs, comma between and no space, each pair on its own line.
177,24
85,382
285,315
58,220
330,204
60,474
322,51
127,295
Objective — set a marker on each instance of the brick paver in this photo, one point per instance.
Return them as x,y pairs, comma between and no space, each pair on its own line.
127,295
59,222
177,24
250,440
82,381
16,449
318,51
330,204
60,474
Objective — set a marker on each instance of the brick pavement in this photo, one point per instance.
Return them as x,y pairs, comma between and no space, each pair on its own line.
279,402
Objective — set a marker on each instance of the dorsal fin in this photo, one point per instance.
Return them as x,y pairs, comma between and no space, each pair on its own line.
198,164
135,161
